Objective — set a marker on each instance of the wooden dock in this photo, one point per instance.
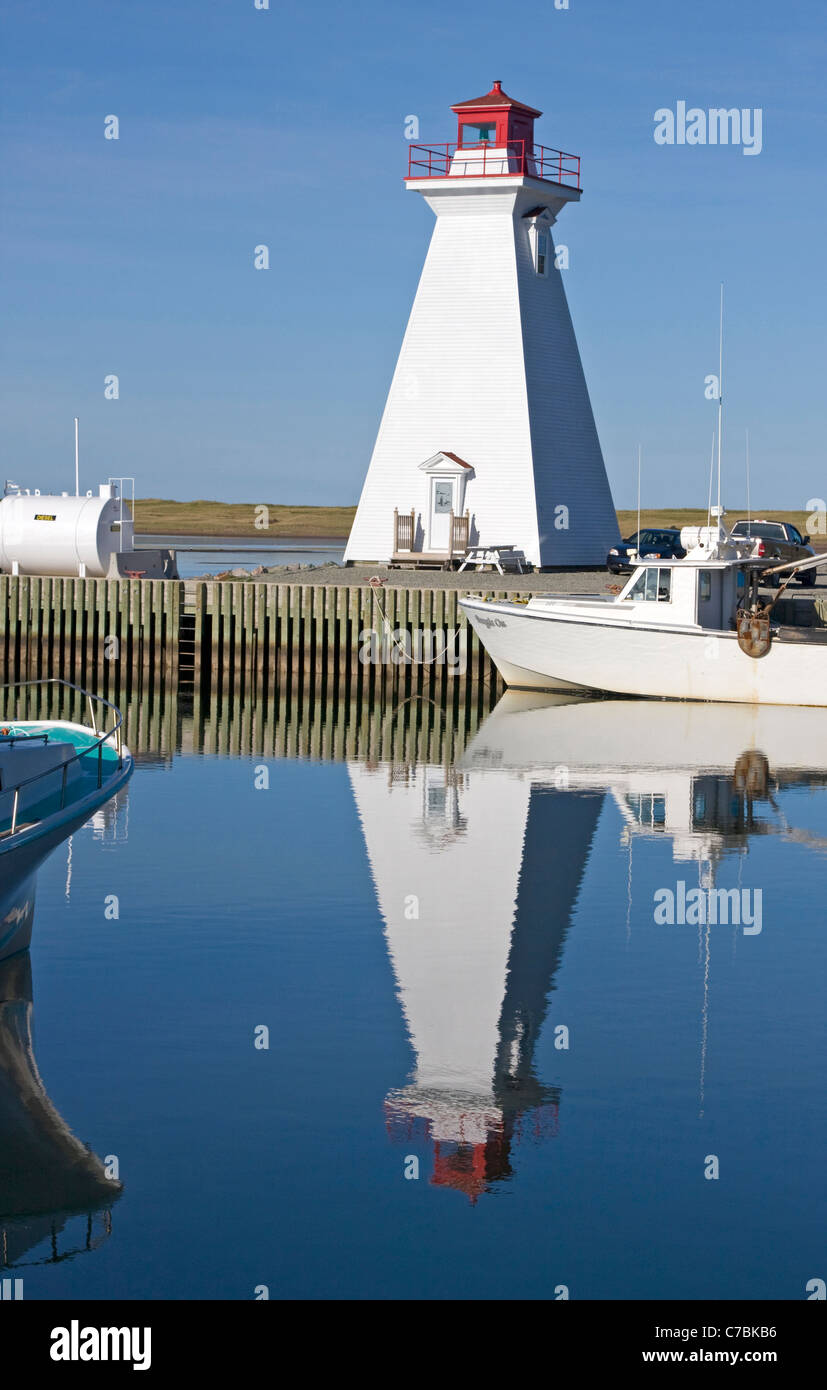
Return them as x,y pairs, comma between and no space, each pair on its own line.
197,637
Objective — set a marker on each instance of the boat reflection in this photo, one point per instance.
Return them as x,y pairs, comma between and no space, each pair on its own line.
478,867
55,1195
705,776
47,1176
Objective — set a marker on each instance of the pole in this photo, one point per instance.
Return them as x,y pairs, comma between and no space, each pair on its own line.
77,462
720,395
749,513
638,499
711,472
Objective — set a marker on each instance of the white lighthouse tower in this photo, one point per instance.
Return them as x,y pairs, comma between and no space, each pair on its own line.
488,436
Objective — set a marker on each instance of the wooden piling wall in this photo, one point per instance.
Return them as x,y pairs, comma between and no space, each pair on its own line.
219,636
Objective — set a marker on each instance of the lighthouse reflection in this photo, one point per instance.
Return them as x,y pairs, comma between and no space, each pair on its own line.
478,868
476,877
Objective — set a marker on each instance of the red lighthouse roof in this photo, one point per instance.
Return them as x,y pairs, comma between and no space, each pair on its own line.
502,130
495,99
497,120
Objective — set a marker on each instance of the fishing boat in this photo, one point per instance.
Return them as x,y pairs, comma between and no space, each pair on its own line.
696,628
54,774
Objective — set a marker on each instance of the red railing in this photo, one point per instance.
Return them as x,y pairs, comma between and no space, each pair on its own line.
494,161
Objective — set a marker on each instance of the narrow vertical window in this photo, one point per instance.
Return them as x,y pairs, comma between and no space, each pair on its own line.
542,252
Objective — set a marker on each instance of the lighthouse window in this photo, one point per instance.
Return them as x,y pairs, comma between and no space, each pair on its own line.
542,252
479,134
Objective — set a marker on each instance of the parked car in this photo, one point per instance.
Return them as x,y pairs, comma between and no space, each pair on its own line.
778,542
660,544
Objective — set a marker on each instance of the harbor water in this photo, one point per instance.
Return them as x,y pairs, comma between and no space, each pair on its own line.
435,1013
208,555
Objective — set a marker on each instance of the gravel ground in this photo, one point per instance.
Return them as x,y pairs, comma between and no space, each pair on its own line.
564,581
596,581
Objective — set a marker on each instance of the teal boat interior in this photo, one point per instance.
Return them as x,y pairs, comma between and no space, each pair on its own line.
50,769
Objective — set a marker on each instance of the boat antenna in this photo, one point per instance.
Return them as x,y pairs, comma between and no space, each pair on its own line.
711,472
640,456
749,513
77,466
720,395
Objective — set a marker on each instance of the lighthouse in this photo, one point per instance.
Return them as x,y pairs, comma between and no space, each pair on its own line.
488,436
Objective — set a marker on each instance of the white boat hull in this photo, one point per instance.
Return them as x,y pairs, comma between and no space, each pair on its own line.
546,650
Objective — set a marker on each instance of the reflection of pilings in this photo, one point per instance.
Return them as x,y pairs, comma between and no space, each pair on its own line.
399,730
282,720
151,718
236,636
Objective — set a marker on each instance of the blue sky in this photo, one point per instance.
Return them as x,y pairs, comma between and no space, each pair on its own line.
286,127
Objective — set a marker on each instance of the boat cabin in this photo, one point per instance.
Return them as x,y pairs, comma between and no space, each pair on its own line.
707,593
685,593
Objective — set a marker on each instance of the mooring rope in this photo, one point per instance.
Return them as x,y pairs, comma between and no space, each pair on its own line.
376,582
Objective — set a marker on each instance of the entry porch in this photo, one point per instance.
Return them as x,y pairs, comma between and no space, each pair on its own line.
408,542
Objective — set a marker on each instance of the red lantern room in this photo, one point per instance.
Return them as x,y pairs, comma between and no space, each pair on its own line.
495,119
495,139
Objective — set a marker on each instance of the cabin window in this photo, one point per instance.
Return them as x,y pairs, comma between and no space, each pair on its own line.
704,585
648,810
653,585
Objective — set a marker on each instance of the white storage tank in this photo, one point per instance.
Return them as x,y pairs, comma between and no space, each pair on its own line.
63,534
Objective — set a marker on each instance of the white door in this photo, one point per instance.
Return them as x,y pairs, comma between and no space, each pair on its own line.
442,504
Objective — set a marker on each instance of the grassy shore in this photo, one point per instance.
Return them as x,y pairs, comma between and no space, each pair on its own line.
155,516
693,516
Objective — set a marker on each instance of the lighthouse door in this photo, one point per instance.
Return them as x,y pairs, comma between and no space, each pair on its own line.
442,504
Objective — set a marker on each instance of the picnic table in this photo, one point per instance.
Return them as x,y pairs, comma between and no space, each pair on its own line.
500,557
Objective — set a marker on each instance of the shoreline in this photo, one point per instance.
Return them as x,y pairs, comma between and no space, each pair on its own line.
234,521
156,516
220,540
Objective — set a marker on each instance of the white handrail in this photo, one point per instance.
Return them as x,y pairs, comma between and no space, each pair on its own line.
115,732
